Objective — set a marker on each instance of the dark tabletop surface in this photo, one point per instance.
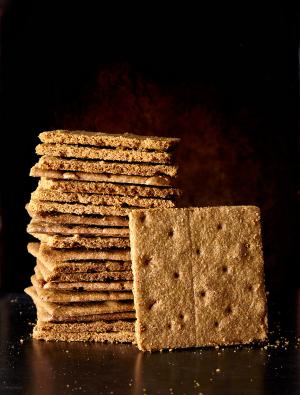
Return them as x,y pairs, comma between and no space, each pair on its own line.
35,367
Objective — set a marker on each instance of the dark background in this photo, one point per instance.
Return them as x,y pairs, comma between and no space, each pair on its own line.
223,79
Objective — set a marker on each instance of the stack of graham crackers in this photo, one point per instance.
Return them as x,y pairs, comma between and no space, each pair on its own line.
89,182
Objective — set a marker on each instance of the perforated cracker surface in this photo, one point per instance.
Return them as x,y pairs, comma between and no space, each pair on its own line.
200,272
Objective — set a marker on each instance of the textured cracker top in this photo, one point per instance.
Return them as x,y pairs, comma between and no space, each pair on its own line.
126,140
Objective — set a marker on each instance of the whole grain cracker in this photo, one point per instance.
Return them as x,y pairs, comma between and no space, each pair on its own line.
88,285
36,206
101,177
65,241
67,219
99,139
81,309
108,188
95,166
78,266
96,326
207,264
59,255
44,274
118,155
43,316
82,336
50,228
41,194
75,296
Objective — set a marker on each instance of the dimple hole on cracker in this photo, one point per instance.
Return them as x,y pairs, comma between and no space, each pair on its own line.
228,310
219,226
151,304
176,275
198,251
202,294
249,288
142,217
181,316
216,324
171,233
224,269
146,260
169,326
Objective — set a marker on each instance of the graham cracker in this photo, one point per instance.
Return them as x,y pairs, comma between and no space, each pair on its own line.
65,241
78,266
43,273
100,177
45,253
87,266
107,188
96,166
68,219
45,227
103,337
198,277
88,285
36,206
88,152
99,139
96,326
75,296
98,199
43,316
80,309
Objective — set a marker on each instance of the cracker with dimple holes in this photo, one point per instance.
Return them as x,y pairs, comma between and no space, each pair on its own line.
107,188
98,177
99,139
198,277
118,155
95,166
114,201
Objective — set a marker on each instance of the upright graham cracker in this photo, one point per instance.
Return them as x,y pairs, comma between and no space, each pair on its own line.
198,277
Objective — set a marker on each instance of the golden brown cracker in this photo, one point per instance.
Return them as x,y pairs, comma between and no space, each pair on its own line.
96,166
106,154
219,250
99,139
